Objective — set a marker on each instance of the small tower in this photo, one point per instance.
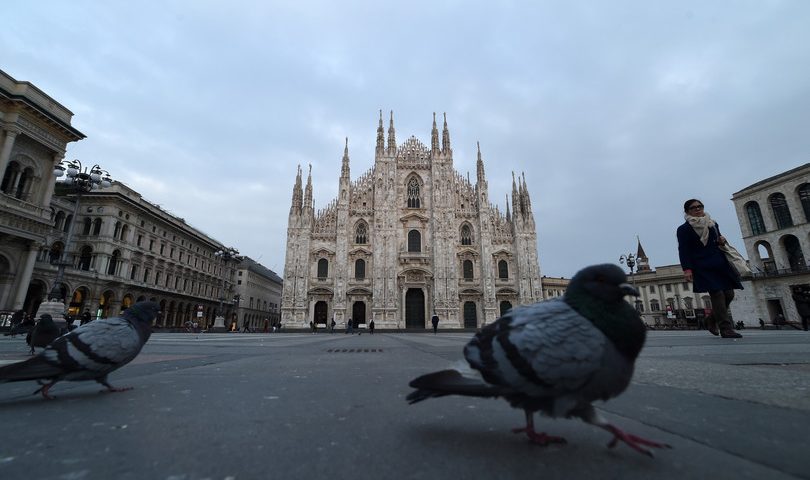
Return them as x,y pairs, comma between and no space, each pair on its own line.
380,138
392,136
642,262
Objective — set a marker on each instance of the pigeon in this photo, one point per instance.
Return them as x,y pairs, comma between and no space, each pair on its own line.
43,333
555,357
89,352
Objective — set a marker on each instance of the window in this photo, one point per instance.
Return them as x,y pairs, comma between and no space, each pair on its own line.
654,306
145,275
466,235
414,241
134,272
140,240
781,212
116,256
68,221
413,193
323,268
85,258
804,197
359,269
467,269
755,218
360,234
669,287
117,230
88,225
652,288
97,226
503,269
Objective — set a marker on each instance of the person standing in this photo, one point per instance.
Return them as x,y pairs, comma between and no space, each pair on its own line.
706,266
371,327
332,330
435,321
349,326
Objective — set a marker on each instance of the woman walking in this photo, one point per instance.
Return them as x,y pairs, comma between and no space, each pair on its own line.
706,266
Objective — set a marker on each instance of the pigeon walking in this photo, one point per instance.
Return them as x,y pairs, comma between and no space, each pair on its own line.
555,357
43,333
89,352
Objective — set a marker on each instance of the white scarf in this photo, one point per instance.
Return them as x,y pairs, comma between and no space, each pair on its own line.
701,226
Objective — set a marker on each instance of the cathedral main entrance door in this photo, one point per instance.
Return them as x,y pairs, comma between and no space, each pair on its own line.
321,310
414,308
359,313
470,315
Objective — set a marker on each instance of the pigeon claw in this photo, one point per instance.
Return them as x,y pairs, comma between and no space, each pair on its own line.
635,442
539,438
44,391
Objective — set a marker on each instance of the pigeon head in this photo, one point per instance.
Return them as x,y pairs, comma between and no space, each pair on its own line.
142,312
597,293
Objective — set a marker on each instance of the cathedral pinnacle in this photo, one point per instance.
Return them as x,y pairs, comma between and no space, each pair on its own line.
480,164
380,136
344,170
445,137
308,190
434,137
392,137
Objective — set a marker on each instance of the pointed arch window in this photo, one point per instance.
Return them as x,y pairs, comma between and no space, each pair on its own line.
781,212
503,270
361,234
414,241
467,269
323,268
466,235
755,218
804,197
359,269
413,193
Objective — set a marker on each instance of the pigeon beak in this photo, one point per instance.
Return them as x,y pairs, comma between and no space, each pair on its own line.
628,289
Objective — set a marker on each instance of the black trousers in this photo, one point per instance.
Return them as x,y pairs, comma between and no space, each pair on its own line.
721,299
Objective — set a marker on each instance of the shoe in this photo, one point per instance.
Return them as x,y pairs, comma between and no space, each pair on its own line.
730,334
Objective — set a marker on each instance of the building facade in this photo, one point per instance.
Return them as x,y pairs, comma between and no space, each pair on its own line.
409,237
258,295
774,216
34,133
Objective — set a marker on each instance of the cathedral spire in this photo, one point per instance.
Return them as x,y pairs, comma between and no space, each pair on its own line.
344,170
297,193
508,214
480,164
526,193
380,137
308,190
445,137
392,137
434,137
642,262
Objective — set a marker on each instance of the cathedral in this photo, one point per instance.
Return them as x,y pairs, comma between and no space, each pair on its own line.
408,239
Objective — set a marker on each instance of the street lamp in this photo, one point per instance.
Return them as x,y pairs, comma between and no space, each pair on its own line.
224,256
78,180
631,261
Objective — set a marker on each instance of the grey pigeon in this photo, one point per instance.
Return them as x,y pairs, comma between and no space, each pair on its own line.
43,333
89,352
555,357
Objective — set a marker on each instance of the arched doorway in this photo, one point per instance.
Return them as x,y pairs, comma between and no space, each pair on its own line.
506,305
321,311
414,308
359,313
470,315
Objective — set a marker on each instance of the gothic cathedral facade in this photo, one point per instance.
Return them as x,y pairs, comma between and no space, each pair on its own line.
408,239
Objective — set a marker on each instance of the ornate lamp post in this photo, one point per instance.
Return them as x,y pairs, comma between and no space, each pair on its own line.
631,261
224,256
78,180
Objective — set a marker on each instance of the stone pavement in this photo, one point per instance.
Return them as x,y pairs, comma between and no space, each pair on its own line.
302,406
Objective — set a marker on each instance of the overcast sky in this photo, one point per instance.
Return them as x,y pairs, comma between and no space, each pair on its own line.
616,111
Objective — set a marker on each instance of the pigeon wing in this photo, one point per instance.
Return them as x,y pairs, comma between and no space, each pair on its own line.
95,349
541,350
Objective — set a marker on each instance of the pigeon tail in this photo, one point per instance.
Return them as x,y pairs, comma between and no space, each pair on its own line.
35,368
449,382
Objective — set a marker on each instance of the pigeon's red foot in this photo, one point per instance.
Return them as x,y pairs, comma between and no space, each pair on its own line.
634,442
44,391
539,438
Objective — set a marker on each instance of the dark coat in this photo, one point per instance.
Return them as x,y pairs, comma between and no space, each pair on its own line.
711,271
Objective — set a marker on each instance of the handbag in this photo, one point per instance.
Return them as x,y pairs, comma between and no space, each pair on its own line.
735,259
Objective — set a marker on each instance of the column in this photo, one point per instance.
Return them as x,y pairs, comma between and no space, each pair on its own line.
48,187
5,150
24,276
